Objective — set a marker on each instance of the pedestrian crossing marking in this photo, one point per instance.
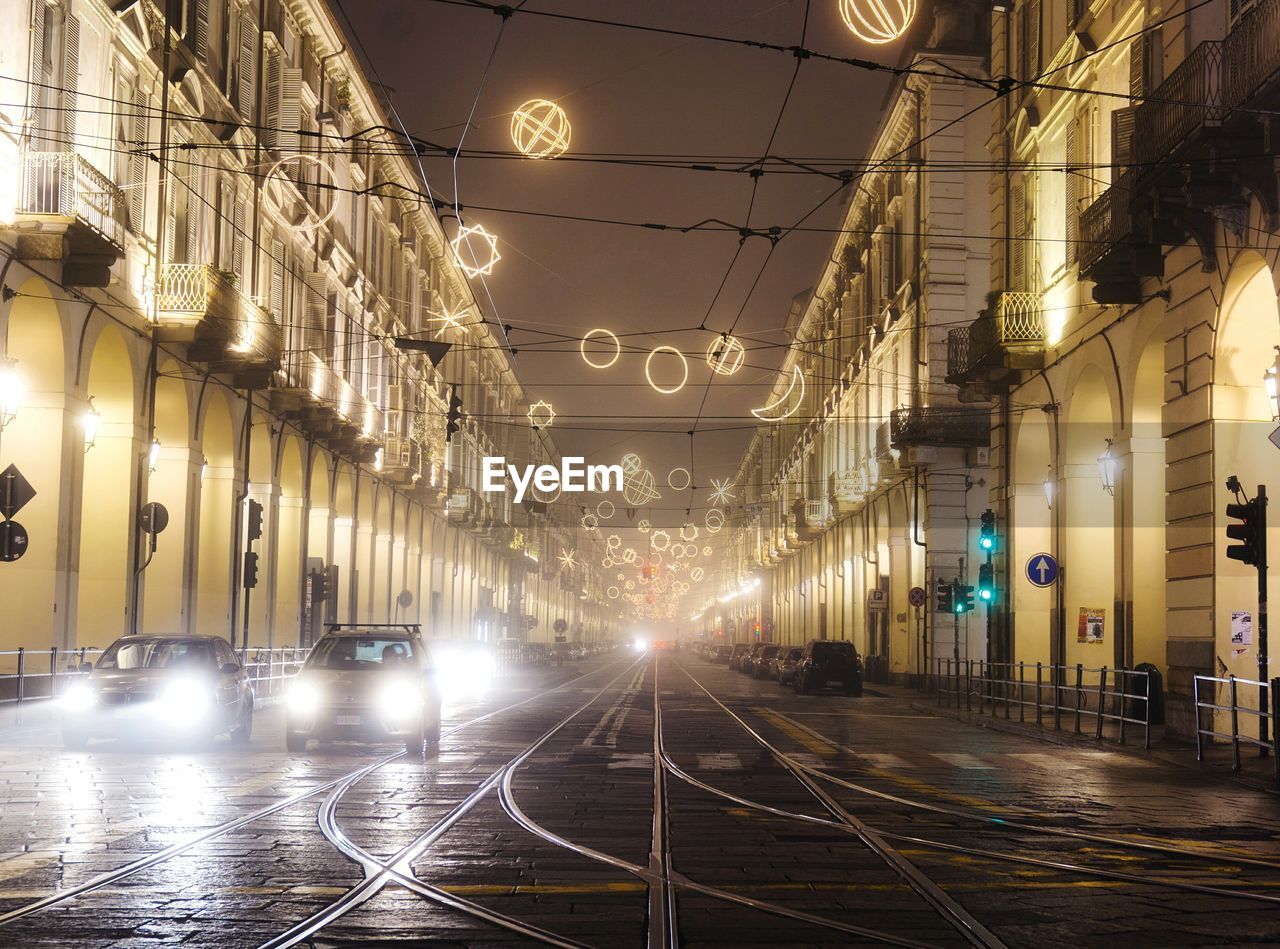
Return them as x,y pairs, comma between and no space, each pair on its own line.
885,760
1038,759
966,761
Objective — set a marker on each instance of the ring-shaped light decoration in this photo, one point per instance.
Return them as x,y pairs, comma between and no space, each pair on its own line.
630,584
685,481
612,593
713,520
323,219
725,355
617,351
540,129
691,550
706,551
613,541
643,526
603,507
479,264
590,522
696,574
648,374
689,532
677,551
631,464
545,497
621,575
654,559
878,21
665,543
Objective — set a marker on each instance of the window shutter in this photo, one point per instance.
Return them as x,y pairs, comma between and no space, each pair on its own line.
192,237
1031,192
1017,231
39,74
1033,27
313,309
170,228
226,240
200,30
289,111
1122,137
277,280
246,66
1073,194
137,182
271,121
237,237
1137,67
70,80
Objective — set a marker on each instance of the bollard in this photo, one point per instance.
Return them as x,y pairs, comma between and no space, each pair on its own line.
1123,679
22,671
1022,692
53,672
1146,724
1102,701
1275,720
1235,725
1195,701
1079,692
1039,693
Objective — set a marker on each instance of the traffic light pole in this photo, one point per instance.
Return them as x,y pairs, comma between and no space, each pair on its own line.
1263,698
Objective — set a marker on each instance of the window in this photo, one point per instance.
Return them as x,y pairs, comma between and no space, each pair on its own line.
158,654
360,652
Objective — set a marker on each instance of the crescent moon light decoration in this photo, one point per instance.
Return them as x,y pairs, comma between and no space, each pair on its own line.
786,404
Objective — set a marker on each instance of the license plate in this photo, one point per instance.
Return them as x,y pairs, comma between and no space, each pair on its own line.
346,719
837,683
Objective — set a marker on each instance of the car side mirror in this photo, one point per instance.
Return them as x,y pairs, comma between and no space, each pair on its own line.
230,668
86,667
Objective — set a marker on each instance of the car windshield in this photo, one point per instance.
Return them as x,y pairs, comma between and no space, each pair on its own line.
769,651
158,654
833,651
360,652
795,654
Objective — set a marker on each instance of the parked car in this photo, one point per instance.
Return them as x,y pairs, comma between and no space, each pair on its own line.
722,654
786,663
762,661
829,664
369,683
740,652
145,686
749,661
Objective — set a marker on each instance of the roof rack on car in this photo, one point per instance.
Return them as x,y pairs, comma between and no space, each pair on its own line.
407,627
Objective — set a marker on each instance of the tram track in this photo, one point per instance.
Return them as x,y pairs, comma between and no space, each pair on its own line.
172,851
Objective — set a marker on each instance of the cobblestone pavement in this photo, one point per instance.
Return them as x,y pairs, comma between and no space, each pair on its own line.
782,820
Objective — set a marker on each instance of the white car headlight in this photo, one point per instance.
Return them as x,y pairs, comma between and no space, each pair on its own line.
304,698
400,699
185,702
79,697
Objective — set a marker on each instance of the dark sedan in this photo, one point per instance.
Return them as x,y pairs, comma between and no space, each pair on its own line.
829,664
160,686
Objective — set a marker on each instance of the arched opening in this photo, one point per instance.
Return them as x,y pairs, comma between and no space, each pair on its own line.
41,439
1088,525
104,581
217,515
173,484
289,553
1244,350
1144,486
1033,494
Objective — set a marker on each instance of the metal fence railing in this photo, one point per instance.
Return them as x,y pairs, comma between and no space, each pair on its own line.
1212,691
65,184
270,669
1106,701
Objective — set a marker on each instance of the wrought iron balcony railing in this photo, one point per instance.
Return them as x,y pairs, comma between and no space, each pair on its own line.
1015,324
1190,99
64,184
1106,223
204,299
942,425
1251,54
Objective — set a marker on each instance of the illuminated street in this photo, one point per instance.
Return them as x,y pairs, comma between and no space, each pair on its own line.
665,474
792,830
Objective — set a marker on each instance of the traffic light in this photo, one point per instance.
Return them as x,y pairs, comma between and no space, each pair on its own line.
986,583
757,630
987,533
649,572
250,570
454,419
1251,532
255,520
963,599
944,597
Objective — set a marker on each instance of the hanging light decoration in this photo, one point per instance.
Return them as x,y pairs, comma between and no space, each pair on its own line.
540,129
598,331
684,368
1107,464
541,414
878,21
725,355
476,251
90,422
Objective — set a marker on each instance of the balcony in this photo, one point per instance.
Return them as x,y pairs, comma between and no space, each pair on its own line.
1004,340
848,490
462,507
1185,108
311,394
70,211
199,305
941,426
401,459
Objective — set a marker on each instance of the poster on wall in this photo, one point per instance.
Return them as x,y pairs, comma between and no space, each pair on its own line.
1241,631
1092,624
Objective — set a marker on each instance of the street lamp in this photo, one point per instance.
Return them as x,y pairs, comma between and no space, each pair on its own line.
204,468
90,423
153,457
1107,469
1271,382
1048,489
11,391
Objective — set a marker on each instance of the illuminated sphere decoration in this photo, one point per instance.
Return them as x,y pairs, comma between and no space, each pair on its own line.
631,464
878,21
725,355
540,129
476,251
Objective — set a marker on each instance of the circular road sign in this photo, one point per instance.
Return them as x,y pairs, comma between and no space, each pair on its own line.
560,626
153,518
1042,570
916,597
13,541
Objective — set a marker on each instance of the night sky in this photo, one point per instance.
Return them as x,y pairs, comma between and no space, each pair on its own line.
629,92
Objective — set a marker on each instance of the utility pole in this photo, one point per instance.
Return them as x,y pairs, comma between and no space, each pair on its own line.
1252,550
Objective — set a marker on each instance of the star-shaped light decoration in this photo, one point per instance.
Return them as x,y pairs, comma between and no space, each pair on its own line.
720,493
541,414
449,319
476,251
567,559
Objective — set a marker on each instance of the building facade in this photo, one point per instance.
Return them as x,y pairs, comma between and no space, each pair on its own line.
213,249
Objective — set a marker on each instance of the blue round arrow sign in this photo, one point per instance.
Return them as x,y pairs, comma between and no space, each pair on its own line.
1042,570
